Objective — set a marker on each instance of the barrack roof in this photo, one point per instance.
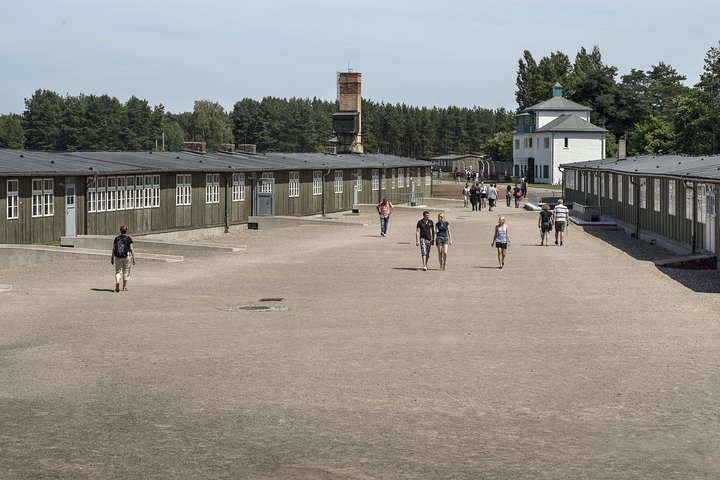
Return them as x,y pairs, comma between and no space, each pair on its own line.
678,166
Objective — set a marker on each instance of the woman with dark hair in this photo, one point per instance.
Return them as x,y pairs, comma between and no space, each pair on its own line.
545,222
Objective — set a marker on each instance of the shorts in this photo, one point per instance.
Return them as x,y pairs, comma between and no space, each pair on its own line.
501,245
545,226
122,267
492,202
440,241
425,245
559,226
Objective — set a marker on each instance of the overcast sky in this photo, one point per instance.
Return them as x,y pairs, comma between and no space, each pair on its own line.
417,52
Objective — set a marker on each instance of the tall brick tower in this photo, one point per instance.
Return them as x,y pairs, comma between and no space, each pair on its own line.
347,123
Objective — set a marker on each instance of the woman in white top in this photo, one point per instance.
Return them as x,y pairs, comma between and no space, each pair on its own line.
501,240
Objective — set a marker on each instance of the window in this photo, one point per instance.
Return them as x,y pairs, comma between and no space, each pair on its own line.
12,199
688,204
672,202
656,194
567,144
428,174
122,194
147,191
358,180
156,191
530,142
43,197
130,190
392,180
620,188
376,179
338,181
139,192
111,194
631,192
525,142
238,187
212,188
643,193
266,184
610,186
317,182
294,184
383,180
701,203
602,184
517,144
101,194
546,142
401,178
183,189
596,186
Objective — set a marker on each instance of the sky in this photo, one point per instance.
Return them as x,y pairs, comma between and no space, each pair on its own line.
417,52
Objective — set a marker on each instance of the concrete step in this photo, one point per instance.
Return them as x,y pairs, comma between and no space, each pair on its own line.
143,245
16,255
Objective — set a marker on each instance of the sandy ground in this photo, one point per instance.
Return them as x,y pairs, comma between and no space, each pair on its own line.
580,361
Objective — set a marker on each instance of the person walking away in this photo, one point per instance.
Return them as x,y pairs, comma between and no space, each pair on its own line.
474,197
424,237
120,256
384,209
443,238
561,221
492,196
483,195
466,195
501,240
517,193
545,222
524,187
508,194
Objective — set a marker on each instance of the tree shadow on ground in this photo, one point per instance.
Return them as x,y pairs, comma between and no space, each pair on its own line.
701,281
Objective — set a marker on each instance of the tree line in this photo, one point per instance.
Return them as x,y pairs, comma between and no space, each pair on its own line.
653,109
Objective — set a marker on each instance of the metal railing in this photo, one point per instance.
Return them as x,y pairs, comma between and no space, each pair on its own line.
412,199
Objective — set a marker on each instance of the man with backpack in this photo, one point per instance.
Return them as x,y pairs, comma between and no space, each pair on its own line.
122,252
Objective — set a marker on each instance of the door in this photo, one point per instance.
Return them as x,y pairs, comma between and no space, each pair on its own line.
710,219
70,215
531,170
264,189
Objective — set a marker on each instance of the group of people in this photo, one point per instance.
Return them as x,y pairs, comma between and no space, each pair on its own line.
480,196
558,218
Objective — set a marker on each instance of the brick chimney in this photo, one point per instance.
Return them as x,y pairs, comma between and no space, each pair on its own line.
347,123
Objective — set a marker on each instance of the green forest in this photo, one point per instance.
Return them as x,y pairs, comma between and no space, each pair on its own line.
653,109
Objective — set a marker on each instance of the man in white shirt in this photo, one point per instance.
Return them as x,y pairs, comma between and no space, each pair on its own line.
561,221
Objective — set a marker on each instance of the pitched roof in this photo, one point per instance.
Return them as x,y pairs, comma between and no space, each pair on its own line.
22,163
558,103
570,123
701,167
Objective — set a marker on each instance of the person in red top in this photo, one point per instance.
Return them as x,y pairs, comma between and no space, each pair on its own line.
384,209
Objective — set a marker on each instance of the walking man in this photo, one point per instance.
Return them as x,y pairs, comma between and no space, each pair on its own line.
492,196
384,209
121,253
424,237
561,221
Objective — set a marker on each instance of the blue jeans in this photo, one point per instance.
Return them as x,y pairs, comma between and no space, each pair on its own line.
384,224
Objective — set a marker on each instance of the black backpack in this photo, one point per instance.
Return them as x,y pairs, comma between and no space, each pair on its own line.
121,249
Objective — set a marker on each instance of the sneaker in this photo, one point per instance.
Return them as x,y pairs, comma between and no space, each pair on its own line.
560,243
117,287
382,234
424,269
556,242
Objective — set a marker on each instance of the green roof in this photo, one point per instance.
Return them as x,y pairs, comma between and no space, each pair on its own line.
569,123
558,103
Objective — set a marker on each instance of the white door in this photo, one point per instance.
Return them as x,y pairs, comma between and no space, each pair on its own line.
710,218
70,230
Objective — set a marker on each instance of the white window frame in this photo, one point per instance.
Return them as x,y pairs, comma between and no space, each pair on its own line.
631,192
183,189
610,186
672,198
317,182
689,203
358,179
392,180
101,189
13,196
111,188
147,191
130,188
37,197
383,180
238,188
517,144
701,202
266,187
294,184
546,142
156,191
121,193
656,194
375,179
643,192
428,175
401,177
139,187
338,181
620,188
212,188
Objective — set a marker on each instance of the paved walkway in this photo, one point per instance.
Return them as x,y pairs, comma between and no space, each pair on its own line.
572,362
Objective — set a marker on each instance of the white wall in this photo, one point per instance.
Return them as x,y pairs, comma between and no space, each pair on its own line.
581,147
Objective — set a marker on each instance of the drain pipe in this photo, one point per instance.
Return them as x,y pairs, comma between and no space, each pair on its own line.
690,186
637,207
323,191
228,182
562,181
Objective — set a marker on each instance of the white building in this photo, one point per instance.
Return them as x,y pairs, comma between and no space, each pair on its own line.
552,133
